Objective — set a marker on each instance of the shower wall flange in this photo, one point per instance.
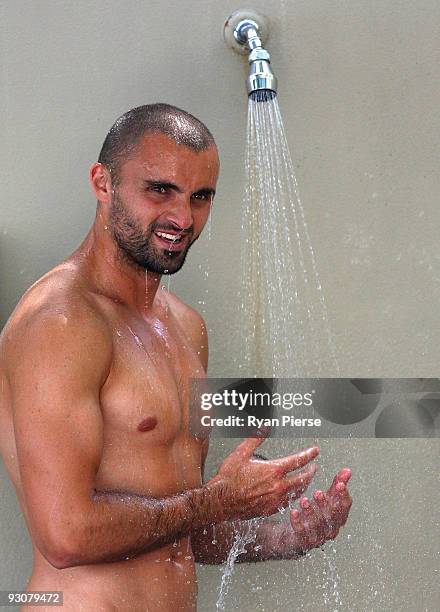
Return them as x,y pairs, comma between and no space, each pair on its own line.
231,31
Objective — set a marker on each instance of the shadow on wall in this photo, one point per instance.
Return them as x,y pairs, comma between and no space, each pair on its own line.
8,298
16,560
21,264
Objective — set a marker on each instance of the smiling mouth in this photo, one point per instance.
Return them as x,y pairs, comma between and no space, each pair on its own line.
171,237
171,242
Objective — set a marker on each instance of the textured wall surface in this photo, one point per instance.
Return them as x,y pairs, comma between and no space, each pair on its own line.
359,92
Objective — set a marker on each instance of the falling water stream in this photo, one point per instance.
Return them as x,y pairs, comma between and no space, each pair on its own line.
241,540
284,315
287,332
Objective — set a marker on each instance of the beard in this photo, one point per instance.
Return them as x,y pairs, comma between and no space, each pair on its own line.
136,244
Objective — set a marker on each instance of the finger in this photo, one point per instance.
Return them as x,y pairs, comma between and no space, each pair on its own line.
317,521
319,497
295,515
311,520
325,511
296,521
340,504
292,462
340,494
248,446
300,481
305,505
337,499
342,498
343,475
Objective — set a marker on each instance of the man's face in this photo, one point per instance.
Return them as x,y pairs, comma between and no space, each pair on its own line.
162,202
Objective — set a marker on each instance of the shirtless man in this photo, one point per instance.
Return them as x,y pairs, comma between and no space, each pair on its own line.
94,369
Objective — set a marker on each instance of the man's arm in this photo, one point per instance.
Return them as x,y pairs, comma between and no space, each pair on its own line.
58,361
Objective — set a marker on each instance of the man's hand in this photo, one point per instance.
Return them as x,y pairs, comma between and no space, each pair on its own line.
320,520
249,487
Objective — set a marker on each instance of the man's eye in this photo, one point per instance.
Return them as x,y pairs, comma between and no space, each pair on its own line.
200,196
159,188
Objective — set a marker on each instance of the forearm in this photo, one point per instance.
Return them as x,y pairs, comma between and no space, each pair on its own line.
272,541
119,524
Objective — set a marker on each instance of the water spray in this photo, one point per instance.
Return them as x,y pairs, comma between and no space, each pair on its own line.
245,31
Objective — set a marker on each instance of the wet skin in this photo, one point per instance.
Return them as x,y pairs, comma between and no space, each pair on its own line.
315,522
153,343
94,368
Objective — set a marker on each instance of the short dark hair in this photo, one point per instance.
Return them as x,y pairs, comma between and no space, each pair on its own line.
160,118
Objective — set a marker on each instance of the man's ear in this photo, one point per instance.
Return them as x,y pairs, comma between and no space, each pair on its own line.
100,181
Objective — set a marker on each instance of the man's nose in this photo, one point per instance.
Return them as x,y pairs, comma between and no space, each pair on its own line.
181,213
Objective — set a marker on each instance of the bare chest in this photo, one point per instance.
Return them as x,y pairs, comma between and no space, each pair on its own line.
145,405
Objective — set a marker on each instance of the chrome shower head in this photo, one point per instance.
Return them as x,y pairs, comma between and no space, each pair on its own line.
246,31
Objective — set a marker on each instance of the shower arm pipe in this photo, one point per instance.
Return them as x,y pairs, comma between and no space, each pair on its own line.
260,76
253,41
246,33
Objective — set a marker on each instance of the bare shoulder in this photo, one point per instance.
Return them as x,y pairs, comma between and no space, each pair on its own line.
186,315
55,312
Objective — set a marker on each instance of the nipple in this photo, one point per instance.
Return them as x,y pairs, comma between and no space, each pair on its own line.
147,424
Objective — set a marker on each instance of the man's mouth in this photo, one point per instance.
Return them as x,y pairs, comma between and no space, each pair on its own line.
172,242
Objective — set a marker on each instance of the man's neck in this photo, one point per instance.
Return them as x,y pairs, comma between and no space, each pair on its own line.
113,273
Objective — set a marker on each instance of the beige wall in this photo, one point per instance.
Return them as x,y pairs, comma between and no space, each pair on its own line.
359,91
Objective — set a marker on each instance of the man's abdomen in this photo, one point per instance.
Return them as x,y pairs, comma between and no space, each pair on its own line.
161,580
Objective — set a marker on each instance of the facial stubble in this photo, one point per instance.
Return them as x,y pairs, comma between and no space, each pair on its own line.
136,244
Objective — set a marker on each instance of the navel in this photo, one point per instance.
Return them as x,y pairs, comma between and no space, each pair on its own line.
147,424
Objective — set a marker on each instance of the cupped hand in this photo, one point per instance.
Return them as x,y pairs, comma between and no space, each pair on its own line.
320,519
